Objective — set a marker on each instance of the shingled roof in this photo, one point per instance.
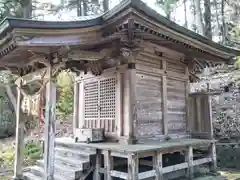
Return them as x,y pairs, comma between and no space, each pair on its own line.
10,23
148,21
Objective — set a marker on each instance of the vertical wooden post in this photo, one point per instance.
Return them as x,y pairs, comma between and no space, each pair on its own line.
164,99
97,175
133,167
19,155
81,105
108,163
199,111
189,157
130,55
187,99
213,164
157,165
210,117
119,103
49,129
131,101
75,106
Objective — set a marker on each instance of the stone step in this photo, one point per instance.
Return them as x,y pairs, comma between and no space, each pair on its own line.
72,153
64,170
81,164
31,176
36,171
70,144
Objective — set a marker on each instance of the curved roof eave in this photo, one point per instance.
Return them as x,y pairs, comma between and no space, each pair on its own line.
10,23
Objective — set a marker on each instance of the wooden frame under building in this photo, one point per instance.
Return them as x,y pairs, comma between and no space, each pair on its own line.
133,70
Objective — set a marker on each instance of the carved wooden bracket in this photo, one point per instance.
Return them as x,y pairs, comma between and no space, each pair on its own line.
130,54
96,67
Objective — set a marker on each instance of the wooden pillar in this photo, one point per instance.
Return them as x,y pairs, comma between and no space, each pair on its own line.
120,100
157,165
131,121
98,165
213,164
164,99
49,129
81,105
199,111
189,157
19,147
187,99
211,136
133,167
75,106
108,165
131,104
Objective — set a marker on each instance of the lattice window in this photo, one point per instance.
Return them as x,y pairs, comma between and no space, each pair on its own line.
107,98
91,100
100,107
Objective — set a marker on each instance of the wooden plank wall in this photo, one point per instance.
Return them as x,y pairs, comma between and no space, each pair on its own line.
149,100
156,116
176,106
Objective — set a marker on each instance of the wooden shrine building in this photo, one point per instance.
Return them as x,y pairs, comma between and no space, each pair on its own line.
133,72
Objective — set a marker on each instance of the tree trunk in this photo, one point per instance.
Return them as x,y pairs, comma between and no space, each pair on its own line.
85,7
207,19
105,5
199,21
13,101
79,8
194,16
216,14
223,29
27,10
185,14
11,97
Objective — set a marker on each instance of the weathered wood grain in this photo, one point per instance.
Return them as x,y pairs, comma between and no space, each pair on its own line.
19,154
148,105
176,96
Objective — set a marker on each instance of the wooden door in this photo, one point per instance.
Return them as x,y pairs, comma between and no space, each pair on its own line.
100,103
200,116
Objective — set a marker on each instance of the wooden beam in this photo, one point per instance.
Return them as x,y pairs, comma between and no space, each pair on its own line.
75,106
213,164
49,129
176,167
131,105
211,135
189,157
146,175
19,148
37,75
98,165
120,100
90,55
81,105
199,115
190,52
202,161
157,165
108,165
118,174
187,100
164,99
133,167
131,121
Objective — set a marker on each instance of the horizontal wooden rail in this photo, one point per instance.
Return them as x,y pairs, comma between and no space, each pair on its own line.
152,173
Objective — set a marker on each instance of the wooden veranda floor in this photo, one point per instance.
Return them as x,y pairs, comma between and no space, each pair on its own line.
150,146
